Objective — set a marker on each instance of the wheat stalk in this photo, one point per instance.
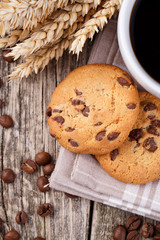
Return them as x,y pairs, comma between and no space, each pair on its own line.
51,31
93,25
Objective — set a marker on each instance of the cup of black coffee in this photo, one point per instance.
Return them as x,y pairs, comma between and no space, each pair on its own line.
139,41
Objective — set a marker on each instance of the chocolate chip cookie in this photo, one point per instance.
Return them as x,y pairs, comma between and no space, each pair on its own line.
136,161
93,109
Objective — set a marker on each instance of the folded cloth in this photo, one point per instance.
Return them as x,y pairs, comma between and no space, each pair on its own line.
83,176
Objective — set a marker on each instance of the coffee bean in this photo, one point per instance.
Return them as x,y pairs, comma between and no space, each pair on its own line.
119,233
156,237
39,238
0,103
114,154
133,223
86,111
98,124
150,106
112,136
156,123
73,143
123,82
78,93
29,166
133,235
59,119
8,176
76,102
152,130
1,225
6,121
69,129
44,209
42,182
12,235
131,106
21,217
135,134
48,169
147,230
49,112
158,227
150,145
100,135
43,158
70,195
6,57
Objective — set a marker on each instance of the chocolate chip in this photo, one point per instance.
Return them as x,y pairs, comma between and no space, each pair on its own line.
1,224
73,143
151,116
43,184
70,195
48,169
150,145
135,134
49,112
76,102
98,124
114,154
152,130
59,119
131,106
133,235
158,227
156,123
44,209
6,57
12,235
156,237
86,111
78,93
39,238
29,166
133,223
6,121
53,135
57,111
21,217
100,135
43,158
69,129
123,82
150,106
112,136
119,233
147,230
8,176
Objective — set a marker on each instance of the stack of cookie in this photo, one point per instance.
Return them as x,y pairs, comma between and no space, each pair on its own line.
97,110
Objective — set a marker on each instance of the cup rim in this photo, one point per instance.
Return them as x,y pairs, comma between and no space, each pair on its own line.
127,52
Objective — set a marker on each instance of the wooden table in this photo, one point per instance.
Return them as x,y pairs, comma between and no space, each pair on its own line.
26,102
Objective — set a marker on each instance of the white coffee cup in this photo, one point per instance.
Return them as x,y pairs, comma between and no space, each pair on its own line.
128,55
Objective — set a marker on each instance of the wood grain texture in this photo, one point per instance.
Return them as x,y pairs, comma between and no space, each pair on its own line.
26,102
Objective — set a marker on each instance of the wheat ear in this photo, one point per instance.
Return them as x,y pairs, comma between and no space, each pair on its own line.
93,25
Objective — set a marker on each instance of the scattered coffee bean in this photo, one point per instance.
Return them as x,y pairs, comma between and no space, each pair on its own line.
42,182
7,58
78,93
158,227
133,223
150,144
156,123
12,235
100,135
131,106
39,238
98,124
43,158
156,237
59,119
135,134
123,82
147,230
76,102
73,143
44,209
49,112
112,136
21,217
119,233
48,169
133,235
70,195
114,154
8,176
1,225
6,121
29,166
0,103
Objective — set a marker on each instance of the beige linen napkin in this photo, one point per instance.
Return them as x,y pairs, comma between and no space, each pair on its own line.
82,175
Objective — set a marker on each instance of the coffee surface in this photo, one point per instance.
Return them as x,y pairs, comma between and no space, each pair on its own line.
145,37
